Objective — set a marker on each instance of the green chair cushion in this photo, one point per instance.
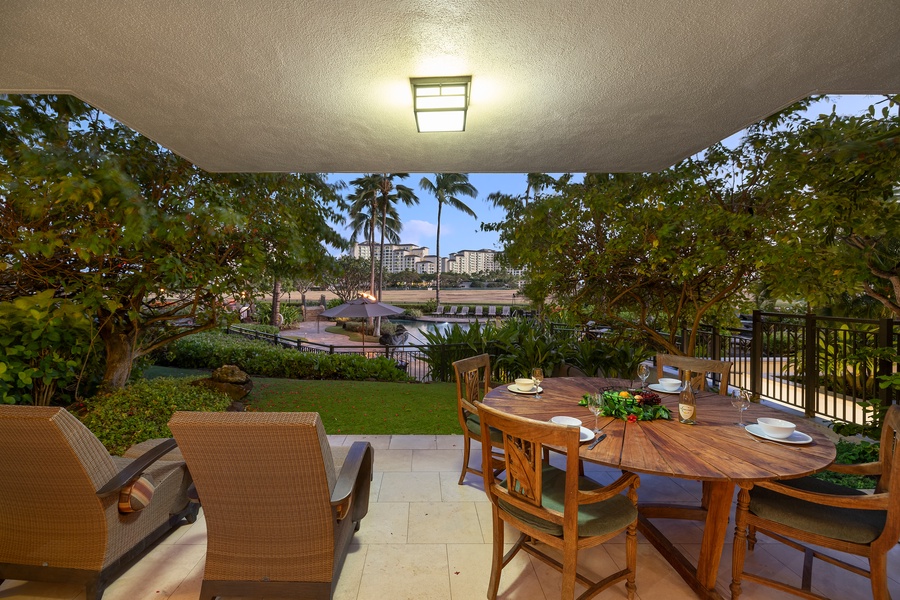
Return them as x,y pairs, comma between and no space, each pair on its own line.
600,518
473,423
848,524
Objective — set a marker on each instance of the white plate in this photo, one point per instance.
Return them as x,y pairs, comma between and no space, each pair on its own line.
658,388
586,435
798,437
514,388
566,421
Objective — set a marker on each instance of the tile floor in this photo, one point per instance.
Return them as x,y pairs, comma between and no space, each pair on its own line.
426,537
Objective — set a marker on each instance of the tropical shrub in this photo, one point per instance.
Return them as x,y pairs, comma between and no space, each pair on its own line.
849,453
291,315
142,410
259,327
46,344
257,357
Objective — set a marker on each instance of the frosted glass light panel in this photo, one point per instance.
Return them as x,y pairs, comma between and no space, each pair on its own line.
440,103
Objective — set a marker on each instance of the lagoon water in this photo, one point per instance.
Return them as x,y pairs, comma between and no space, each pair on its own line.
415,329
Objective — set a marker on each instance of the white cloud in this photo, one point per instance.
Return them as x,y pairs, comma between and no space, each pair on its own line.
420,233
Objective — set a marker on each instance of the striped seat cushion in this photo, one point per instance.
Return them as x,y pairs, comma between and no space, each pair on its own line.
137,495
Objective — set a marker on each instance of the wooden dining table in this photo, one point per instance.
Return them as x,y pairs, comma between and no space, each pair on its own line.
714,451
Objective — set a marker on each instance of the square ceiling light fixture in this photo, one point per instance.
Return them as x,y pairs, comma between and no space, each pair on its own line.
440,103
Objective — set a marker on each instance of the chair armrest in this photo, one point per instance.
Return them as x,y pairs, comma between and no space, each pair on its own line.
627,481
872,468
137,466
861,502
341,498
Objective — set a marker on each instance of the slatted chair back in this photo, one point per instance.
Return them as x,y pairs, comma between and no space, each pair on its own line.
554,507
478,311
492,311
473,380
699,367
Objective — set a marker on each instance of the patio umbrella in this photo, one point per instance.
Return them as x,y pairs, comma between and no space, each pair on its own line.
362,307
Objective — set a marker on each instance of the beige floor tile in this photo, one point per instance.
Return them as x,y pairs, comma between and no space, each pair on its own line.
386,523
758,561
349,578
444,523
470,574
436,460
406,572
413,442
196,534
158,574
471,490
375,486
410,487
449,442
337,440
393,460
379,442
510,533
189,589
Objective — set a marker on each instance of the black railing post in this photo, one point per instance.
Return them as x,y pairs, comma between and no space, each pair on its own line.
885,339
756,352
810,365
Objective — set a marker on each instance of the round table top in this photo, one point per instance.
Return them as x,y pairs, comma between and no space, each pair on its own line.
714,449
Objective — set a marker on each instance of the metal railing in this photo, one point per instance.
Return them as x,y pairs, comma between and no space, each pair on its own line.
801,360
807,361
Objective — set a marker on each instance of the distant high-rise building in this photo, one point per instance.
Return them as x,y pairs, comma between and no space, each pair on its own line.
409,257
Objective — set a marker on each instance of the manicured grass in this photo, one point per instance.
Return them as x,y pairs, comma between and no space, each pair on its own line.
353,336
363,407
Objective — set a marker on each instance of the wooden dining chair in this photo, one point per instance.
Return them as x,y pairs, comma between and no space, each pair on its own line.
812,511
554,507
698,366
473,381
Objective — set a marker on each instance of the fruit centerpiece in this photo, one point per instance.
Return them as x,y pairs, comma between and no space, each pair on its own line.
630,405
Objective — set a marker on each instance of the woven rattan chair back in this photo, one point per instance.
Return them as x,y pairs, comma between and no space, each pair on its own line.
699,367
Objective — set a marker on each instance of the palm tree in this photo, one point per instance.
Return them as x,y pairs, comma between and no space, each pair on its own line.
446,187
378,194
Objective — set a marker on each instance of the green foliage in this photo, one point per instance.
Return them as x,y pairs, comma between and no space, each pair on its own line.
256,357
142,410
259,327
46,343
143,241
850,453
623,407
291,315
415,313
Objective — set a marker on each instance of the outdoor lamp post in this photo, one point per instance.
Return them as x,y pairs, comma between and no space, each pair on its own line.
440,103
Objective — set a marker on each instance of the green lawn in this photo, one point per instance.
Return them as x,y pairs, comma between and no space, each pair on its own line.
353,336
354,407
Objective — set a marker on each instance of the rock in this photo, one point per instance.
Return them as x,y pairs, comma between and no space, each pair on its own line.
229,374
231,381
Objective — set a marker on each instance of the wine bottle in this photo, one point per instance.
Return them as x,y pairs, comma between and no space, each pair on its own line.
687,403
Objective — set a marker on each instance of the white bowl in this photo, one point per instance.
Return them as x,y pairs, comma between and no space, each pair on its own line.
525,384
566,421
776,428
669,384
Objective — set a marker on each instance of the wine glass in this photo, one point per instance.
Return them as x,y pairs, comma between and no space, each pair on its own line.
740,399
538,376
643,373
595,404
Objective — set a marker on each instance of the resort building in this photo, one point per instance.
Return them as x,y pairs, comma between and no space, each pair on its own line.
409,257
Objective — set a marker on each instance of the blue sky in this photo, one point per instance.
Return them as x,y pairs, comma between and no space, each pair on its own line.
461,232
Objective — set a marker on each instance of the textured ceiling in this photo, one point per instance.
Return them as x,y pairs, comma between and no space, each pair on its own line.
288,85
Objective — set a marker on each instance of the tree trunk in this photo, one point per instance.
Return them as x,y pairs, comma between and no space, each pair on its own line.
119,348
276,304
437,295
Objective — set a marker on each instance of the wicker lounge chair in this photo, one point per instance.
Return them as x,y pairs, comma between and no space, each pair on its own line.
68,510
280,504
